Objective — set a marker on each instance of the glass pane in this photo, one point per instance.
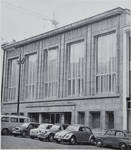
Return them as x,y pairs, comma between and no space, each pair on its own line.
106,62
76,67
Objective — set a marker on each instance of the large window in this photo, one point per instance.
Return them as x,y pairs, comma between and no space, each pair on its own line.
31,72
106,64
13,75
94,120
75,69
50,72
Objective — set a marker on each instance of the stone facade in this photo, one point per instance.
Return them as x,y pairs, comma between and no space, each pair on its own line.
90,105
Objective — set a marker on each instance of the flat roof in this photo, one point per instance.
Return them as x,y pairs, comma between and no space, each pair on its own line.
104,15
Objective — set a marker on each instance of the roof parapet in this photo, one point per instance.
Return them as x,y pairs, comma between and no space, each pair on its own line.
104,15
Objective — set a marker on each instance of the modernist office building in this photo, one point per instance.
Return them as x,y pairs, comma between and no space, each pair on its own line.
79,73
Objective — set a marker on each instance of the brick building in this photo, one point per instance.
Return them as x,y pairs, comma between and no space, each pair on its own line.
78,73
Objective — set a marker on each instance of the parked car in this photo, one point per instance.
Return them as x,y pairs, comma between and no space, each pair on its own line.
8,122
24,129
44,126
49,134
115,138
75,134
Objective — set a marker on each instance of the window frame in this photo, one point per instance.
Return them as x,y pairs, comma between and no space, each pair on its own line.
100,75
46,82
9,78
26,65
74,92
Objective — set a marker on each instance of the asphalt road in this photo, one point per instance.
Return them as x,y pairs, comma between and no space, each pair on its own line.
11,142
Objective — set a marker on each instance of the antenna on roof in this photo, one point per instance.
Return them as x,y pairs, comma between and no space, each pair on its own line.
53,21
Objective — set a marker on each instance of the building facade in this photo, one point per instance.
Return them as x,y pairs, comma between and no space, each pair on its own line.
79,73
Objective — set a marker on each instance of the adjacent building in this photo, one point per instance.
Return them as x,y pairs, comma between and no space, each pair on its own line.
79,73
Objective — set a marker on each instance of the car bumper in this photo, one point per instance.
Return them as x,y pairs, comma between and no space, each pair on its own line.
16,132
41,136
59,139
33,135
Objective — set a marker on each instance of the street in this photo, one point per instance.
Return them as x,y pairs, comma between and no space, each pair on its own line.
11,142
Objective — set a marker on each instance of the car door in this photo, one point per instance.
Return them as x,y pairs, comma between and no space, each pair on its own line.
82,135
86,134
109,137
118,136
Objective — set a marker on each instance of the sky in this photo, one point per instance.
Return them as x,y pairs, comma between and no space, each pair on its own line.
25,18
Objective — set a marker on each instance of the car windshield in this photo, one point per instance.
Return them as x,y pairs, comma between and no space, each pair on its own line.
25,125
110,132
55,127
73,128
43,126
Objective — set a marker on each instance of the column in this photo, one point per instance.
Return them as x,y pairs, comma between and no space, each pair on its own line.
40,117
87,118
62,118
102,120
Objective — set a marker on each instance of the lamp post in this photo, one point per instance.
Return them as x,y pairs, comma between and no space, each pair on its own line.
20,61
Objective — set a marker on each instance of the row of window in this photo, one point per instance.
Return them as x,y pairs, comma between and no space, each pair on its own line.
106,70
95,119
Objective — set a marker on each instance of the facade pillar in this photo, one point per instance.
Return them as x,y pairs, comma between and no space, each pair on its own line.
40,117
87,118
103,121
62,118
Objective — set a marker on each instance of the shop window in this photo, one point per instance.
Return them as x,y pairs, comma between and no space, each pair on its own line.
95,120
34,117
106,60
109,119
81,117
67,117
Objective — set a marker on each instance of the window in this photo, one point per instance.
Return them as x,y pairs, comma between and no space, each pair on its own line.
109,119
120,134
75,67
110,132
13,76
106,63
81,117
51,72
31,72
22,120
5,119
95,119
14,119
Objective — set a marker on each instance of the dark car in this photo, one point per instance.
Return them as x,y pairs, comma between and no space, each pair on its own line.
24,129
115,138
50,133
75,134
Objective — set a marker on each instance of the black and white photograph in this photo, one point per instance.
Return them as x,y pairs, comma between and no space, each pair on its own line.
65,74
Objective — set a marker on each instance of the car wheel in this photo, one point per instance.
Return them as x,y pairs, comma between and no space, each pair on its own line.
40,139
73,140
58,141
51,138
99,143
31,137
5,131
123,146
24,134
92,141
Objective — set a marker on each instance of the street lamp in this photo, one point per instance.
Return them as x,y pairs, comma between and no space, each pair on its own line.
19,61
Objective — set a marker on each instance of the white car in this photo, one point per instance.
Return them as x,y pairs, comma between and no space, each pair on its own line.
44,126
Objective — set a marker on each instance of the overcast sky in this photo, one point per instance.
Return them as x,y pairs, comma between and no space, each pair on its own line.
24,18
